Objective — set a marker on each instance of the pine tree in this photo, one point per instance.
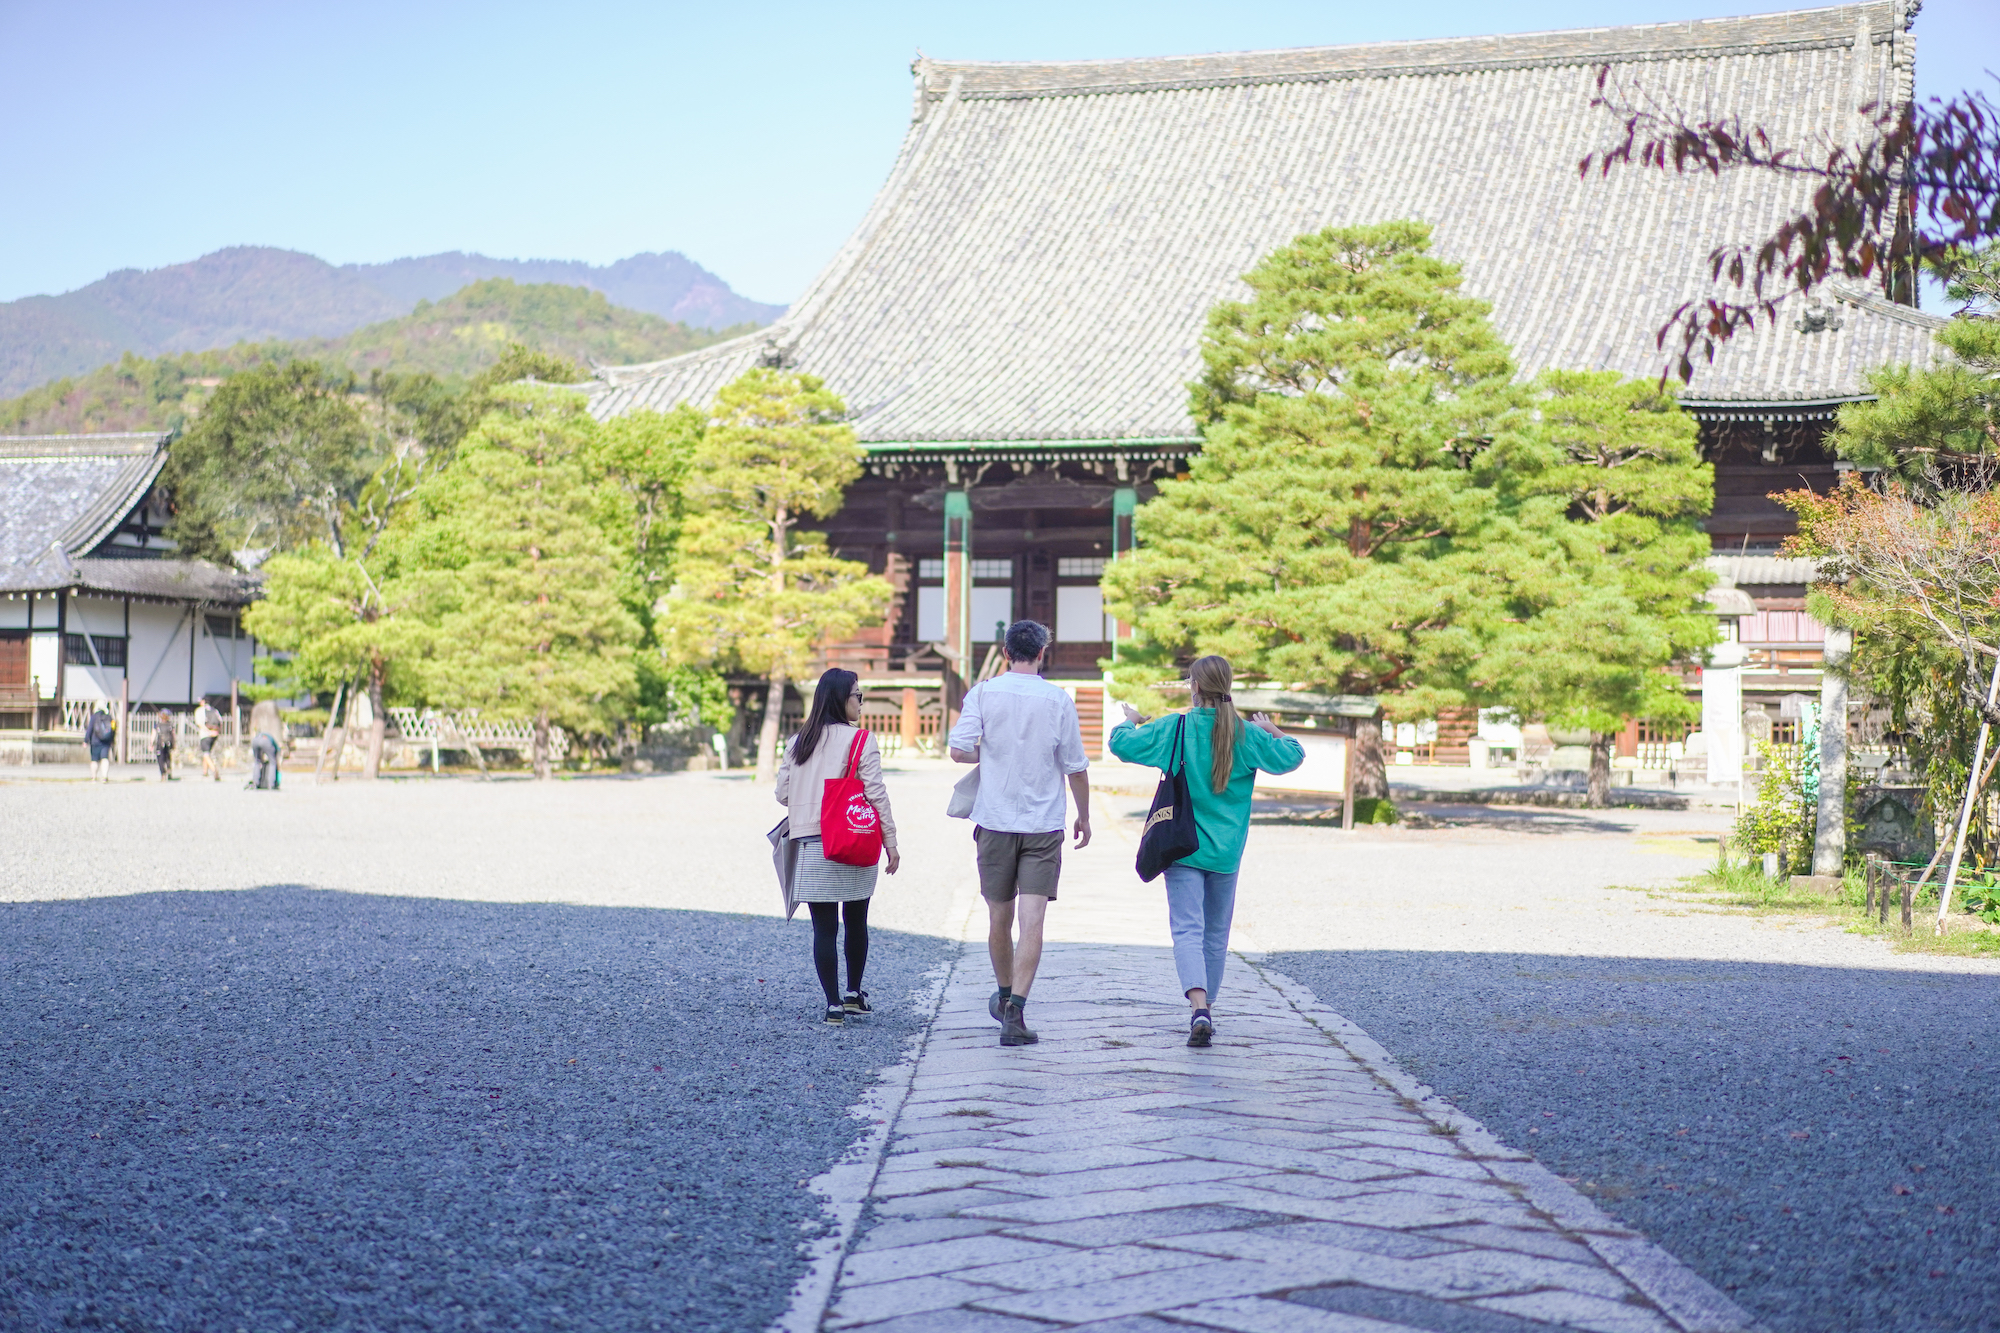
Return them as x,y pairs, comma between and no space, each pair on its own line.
342,619
1334,534
521,538
751,589
1606,492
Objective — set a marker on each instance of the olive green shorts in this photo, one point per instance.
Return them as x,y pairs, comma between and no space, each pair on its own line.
1016,863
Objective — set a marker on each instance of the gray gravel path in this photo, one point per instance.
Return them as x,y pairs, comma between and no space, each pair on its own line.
1817,1141
285,1109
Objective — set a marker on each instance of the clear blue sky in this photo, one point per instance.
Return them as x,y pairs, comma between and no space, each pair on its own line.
749,136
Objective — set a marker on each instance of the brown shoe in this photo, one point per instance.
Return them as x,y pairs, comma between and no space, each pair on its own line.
1013,1029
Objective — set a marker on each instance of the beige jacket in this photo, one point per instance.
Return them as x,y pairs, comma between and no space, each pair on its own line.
800,786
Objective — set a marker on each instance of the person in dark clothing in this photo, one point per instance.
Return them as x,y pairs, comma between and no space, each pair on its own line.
100,733
264,754
163,744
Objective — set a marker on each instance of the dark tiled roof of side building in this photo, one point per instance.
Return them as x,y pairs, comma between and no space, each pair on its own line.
1039,264
71,491
61,498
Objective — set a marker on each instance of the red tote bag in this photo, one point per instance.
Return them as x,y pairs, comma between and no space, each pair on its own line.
850,829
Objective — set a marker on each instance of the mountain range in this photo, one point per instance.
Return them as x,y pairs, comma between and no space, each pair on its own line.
257,294
454,339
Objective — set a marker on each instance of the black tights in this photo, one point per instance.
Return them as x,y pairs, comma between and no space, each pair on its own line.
826,924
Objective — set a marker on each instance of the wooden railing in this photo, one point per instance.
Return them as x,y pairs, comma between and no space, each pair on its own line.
453,731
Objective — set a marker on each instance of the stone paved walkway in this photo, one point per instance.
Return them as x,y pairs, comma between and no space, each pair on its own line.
1270,1184
1288,1179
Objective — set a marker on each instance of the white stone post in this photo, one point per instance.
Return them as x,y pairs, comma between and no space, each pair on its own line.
1722,708
1830,830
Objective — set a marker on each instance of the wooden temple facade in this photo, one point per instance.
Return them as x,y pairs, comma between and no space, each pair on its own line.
1014,322
96,606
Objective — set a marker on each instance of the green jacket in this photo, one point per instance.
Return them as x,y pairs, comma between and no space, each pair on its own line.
1222,818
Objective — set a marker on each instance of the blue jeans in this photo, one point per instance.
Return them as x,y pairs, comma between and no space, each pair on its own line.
1200,904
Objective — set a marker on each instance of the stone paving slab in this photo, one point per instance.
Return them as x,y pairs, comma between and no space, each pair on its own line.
1286,1180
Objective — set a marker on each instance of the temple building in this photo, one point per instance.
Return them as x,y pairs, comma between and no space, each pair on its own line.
96,607
1014,323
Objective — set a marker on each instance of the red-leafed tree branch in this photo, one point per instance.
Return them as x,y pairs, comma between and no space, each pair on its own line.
1920,189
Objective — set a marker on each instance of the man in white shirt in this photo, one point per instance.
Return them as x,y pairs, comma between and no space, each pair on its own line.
1023,734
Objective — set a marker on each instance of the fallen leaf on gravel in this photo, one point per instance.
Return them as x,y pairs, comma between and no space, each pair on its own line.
1899,1189
1800,1134
1946,1208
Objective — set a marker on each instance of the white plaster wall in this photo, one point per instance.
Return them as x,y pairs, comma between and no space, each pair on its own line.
220,659
96,616
158,654
44,661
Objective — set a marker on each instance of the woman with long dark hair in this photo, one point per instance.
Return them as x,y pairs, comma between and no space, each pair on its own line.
833,892
1223,757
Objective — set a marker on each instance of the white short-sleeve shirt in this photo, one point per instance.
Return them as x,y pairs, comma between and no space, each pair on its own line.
1029,742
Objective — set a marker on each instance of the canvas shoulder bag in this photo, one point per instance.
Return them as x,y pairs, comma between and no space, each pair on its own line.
1170,834
850,829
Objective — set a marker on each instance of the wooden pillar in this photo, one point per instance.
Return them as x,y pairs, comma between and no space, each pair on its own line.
909,721
62,656
958,583
125,708
1347,777
1124,505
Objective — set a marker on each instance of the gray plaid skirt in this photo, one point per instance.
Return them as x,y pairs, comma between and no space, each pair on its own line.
818,880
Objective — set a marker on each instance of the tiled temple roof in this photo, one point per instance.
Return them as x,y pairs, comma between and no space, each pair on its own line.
71,490
1040,261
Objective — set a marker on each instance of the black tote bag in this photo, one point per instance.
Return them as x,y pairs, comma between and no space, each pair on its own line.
1170,833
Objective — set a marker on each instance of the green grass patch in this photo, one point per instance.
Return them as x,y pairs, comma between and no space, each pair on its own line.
1975,905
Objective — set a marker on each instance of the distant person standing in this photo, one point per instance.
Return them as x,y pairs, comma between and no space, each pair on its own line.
1223,758
834,892
210,720
100,733
1024,735
163,744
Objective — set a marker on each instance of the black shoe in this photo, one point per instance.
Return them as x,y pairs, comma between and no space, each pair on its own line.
993,1003
1201,1030
1013,1029
856,1002
835,1015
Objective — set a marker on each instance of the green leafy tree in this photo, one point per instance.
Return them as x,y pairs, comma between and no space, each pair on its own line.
752,589
276,459
343,618
1935,429
1608,576
1334,534
520,536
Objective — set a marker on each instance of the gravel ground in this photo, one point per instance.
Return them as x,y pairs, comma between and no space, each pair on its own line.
1816,1141
285,1107
377,1124
1803,1116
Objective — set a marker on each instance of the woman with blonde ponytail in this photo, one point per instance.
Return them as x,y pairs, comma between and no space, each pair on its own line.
1223,758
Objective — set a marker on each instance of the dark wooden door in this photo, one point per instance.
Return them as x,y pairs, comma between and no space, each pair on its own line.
13,661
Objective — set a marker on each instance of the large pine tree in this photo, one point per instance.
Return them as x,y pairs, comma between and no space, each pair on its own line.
1335,533
524,536
1605,490
752,590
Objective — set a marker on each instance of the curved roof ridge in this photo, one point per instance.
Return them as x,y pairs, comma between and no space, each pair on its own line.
1794,29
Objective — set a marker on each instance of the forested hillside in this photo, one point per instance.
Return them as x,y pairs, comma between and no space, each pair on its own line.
257,293
455,338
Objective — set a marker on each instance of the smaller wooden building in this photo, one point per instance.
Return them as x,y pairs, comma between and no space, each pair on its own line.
95,605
